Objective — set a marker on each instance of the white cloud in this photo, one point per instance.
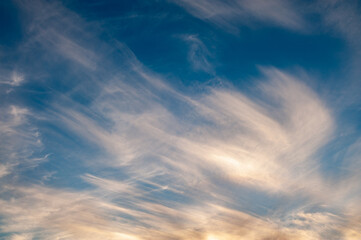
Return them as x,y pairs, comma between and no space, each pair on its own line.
13,79
258,143
20,140
59,31
56,214
230,15
16,79
183,167
21,237
4,170
268,144
198,54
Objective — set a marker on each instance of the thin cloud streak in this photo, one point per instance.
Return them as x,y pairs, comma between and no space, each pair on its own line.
12,79
181,168
229,15
21,143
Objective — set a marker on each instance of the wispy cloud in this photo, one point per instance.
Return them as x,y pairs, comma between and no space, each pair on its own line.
341,17
223,163
16,79
13,79
21,142
268,144
198,54
56,29
236,126
230,15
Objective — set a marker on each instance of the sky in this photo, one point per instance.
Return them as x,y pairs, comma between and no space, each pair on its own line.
180,119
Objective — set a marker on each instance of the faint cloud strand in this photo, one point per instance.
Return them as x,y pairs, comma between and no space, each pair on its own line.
230,15
19,140
185,166
198,54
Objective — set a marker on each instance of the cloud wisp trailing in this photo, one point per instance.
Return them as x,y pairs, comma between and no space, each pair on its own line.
229,15
198,54
117,151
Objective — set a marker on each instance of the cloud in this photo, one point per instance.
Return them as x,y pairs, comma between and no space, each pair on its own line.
230,15
14,79
343,20
198,54
219,164
57,30
342,17
21,142
21,237
268,144
60,214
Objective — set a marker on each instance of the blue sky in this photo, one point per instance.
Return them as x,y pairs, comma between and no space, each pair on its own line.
180,119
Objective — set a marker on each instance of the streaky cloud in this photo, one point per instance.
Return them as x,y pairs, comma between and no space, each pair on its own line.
230,15
198,54
147,160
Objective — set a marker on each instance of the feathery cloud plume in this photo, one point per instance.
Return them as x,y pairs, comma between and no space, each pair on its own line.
230,15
